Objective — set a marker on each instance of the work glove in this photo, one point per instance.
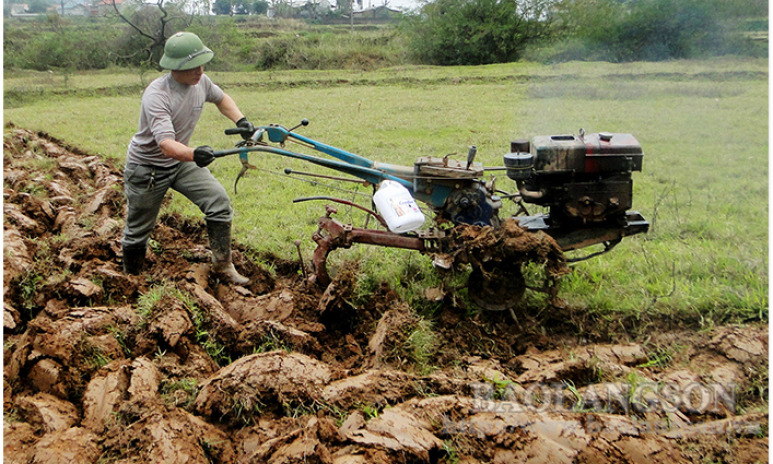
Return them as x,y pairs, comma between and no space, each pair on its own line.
203,155
244,124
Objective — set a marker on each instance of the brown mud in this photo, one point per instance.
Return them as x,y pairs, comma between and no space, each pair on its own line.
97,371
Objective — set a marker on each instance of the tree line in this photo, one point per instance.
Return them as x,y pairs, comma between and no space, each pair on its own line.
438,32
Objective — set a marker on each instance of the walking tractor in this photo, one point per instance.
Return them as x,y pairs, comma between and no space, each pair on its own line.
583,181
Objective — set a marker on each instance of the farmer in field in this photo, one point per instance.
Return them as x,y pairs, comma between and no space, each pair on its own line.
159,157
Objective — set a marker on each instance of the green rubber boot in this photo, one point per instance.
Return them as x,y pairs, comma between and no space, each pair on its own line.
220,243
133,260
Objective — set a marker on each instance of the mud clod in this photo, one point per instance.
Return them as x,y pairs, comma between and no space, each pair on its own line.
175,367
242,389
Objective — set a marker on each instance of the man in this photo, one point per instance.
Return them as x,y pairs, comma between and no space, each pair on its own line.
159,157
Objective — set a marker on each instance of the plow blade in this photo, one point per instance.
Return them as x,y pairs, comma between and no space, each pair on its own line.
573,238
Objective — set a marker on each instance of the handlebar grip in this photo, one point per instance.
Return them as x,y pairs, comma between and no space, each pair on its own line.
236,130
229,151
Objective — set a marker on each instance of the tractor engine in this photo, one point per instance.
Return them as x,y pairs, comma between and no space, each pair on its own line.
583,178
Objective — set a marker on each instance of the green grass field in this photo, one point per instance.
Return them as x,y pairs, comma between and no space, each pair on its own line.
704,186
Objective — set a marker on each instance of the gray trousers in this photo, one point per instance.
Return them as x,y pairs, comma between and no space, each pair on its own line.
145,187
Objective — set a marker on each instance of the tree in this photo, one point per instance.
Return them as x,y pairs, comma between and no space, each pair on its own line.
260,7
152,23
63,4
38,6
222,7
241,7
473,32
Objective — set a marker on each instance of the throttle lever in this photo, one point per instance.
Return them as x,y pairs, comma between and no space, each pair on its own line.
304,122
471,156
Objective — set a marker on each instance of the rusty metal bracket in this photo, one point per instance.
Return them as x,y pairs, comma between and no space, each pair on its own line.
245,166
331,234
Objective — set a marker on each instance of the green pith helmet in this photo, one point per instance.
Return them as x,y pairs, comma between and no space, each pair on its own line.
183,51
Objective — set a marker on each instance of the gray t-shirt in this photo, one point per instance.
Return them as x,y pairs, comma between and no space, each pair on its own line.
170,110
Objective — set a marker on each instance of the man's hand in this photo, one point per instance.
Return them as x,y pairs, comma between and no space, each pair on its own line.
203,155
244,124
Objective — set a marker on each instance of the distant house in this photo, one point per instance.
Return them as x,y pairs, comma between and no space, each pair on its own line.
104,7
88,8
21,10
18,9
300,7
377,13
79,9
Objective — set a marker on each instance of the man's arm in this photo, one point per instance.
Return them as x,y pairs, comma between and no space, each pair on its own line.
176,150
228,108
181,152
202,156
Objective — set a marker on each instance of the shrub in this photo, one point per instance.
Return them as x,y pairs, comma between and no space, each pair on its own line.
329,50
68,48
233,48
474,32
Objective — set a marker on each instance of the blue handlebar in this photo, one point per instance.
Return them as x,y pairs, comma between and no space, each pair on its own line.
349,163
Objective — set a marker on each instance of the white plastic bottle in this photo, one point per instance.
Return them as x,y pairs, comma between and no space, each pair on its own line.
398,208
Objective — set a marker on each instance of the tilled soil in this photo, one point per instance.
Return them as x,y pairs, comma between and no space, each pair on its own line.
98,371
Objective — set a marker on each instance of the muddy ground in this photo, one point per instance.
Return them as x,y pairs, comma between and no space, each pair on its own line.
98,371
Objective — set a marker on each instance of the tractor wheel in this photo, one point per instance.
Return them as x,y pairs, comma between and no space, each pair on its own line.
496,289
